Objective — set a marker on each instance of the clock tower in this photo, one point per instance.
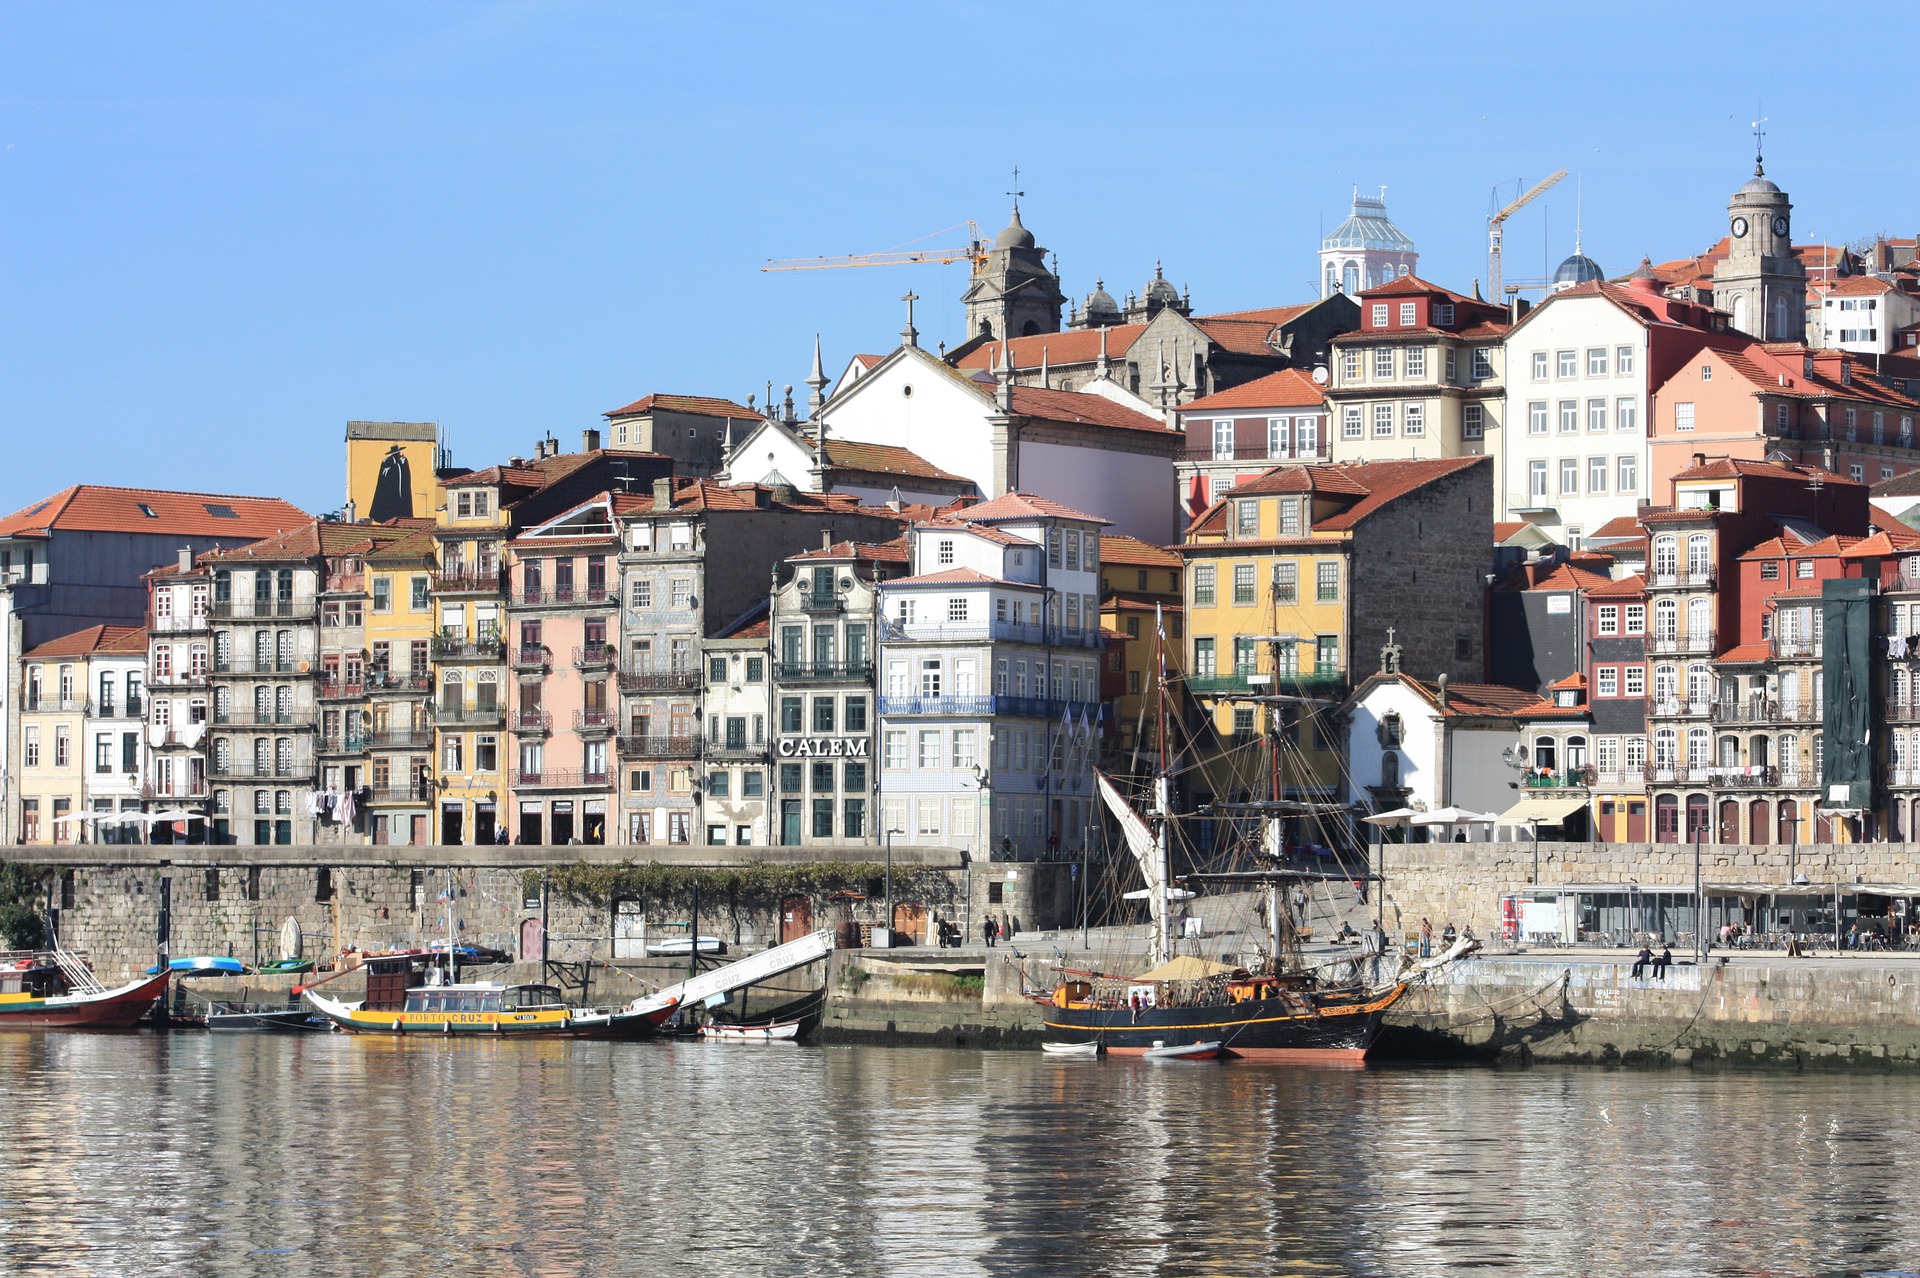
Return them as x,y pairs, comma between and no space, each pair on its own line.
1760,283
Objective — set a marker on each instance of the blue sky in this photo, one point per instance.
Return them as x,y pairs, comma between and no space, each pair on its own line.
227,229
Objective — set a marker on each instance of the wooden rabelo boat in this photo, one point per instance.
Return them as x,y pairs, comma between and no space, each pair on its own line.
395,1006
56,990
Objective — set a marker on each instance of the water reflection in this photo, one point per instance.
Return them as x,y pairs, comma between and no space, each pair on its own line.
326,1155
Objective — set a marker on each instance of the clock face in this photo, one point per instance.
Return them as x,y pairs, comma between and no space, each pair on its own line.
1780,225
1739,227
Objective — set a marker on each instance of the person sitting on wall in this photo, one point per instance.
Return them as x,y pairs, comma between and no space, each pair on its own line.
1640,963
1661,964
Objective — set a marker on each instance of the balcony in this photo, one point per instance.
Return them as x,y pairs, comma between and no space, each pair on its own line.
300,768
1678,773
468,716
1633,780
180,679
341,689
460,648
1700,641
651,747
177,625
263,719
1746,712
262,609
1675,579
1902,711
894,630
256,666
1018,707
531,657
1759,777
632,680
467,581
737,751
561,596
348,743
593,656
133,708
532,721
1254,452
1795,647
50,705
821,602
177,792
345,583
1802,712
1261,683
812,672
593,722
385,681
1680,709
1569,779
400,738
392,794
561,778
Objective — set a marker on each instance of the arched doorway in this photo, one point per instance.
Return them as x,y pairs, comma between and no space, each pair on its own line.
1666,819
1822,827
796,918
1699,827
1729,831
1759,822
1789,821
532,941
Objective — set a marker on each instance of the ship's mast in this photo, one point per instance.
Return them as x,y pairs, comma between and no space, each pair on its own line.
1162,946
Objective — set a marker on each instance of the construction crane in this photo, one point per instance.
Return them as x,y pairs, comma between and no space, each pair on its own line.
975,252
1495,283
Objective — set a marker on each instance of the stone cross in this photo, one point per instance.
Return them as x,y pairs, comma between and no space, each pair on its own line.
1390,655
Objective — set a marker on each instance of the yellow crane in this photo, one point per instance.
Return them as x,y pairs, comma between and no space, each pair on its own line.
1497,222
905,255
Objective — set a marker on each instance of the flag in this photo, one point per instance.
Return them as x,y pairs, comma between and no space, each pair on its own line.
1086,724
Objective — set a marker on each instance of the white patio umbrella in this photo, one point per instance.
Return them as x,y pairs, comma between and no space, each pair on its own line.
1452,816
1398,816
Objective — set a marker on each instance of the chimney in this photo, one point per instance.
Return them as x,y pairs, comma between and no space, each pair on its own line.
1699,459
1440,686
517,463
663,493
589,441
1519,308
826,539
186,559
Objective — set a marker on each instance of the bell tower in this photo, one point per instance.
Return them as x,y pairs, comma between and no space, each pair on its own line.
1012,293
1760,283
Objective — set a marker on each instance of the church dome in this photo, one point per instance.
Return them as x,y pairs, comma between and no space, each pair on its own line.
1100,303
1158,290
1578,269
1014,235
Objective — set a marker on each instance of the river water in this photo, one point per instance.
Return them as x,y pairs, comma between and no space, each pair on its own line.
328,1155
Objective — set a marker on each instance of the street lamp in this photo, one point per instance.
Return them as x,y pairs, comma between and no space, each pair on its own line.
889,885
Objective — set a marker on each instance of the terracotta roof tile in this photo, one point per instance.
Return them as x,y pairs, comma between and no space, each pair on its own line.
694,405
95,508
1634,585
1746,653
1117,548
883,459
313,539
1092,410
1024,506
1077,346
1288,388
948,576
886,552
93,639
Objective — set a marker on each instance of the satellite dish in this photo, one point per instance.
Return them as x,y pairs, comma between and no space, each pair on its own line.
1320,374
1515,757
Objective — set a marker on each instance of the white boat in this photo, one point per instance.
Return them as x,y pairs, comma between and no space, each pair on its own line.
682,946
1071,1051
1184,1051
785,1031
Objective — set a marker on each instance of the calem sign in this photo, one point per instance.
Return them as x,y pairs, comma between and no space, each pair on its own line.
822,747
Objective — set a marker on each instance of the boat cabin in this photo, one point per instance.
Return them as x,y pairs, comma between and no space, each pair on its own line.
392,977
31,976
487,996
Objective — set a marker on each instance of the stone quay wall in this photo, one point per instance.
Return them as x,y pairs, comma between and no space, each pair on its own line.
1462,883
233,900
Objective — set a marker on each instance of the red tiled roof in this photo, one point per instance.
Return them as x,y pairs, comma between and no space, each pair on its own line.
888,552
1503,529
1118,548
1263,314
1092,410
710,494
945,576
1288,388
1745,653
694,405
1569,577
1077,346
1241,336
1737,467
95,508
315,538
1884,544
1880,517
868,361
1375,483
883,459
1857,286
94,639
1634,585
986,532
1022,506
1484,699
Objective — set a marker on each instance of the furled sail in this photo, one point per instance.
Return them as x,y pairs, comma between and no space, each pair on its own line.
1146,852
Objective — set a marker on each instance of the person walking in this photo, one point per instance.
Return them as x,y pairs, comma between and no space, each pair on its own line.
988,930
1641,963
1426,938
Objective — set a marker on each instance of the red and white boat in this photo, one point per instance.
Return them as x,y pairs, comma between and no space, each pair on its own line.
56,990
719,1032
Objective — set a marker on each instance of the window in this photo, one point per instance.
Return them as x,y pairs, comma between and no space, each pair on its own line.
957,608
1327,581
1443,314
1803,568
1706,372
1627,472
1203,575
1379,315
929,752
1383,363
1606,681
1539,366
640,594
823,776
1597,361
420,598
1770,570
1626,414
383,594
965,752
1569,416
682,592
1482,363
1278,443
822,714
1453,365
1289,517
855,719
1569,363
1636,618
944,554
1607,619
1569,475
1856,472
1537,417
1286,582
1351,426
789,714
1408,315
1596,414
1350,365
1246,518
1415,424
1683,417
1537,480
1633,681
1416,362
1203,665
1243,583
1382,421
1473,421
896,750
1623,360
1597,474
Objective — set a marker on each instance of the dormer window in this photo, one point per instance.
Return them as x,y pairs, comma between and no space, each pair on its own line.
1409,314
1806,366
1379,315
1566,697
1846,374
1443,314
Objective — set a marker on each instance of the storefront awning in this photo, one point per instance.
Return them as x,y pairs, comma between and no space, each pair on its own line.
1541,810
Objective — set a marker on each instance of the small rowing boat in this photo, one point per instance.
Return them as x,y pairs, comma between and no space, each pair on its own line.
1071,1051
1161,1051
782,1032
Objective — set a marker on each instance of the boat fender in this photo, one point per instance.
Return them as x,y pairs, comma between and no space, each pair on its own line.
496,1027
446,1027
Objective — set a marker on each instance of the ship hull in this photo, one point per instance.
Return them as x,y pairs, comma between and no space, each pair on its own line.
544,1023
1258,1030
114,1009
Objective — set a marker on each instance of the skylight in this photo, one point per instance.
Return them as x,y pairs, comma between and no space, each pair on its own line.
217,510
146,510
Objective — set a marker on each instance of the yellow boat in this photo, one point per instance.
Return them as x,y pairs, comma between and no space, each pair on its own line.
488,1009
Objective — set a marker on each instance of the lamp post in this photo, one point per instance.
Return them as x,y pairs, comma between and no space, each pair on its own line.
889,885
1699,898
